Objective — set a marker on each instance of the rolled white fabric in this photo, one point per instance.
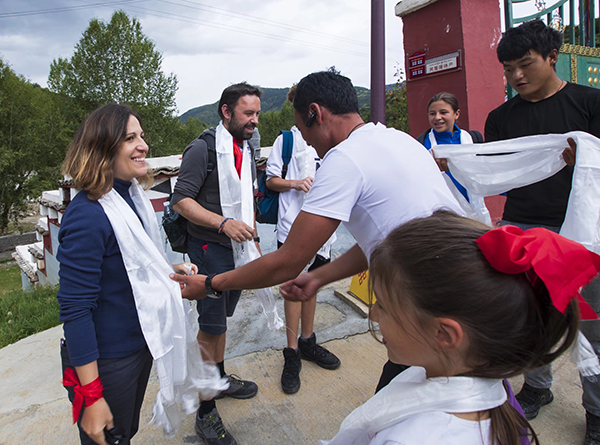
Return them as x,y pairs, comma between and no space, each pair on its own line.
237,202
410,393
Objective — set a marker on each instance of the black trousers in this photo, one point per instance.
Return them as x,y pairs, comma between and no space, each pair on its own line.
124,381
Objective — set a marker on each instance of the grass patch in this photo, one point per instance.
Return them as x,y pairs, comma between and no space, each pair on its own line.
26,313
10,278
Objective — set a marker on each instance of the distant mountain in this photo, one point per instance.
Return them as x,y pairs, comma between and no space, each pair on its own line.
272,100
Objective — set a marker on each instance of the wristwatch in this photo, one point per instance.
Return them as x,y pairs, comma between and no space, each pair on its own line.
210,292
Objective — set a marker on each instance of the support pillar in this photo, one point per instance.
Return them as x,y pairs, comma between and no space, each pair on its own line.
439,29
378,61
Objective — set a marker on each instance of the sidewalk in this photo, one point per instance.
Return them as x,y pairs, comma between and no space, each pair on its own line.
34,408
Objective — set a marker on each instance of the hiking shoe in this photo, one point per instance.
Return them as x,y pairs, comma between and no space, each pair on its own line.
592,429
238,388
290,378
310,350
210,428
532,399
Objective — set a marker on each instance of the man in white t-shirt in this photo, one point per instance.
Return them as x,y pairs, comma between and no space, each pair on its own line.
293,181
372,179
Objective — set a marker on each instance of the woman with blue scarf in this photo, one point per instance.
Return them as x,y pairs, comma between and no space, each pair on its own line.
443,112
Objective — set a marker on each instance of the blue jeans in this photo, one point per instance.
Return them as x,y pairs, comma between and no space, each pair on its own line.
541,378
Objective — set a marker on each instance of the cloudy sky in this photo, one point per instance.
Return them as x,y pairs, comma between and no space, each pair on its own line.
208,44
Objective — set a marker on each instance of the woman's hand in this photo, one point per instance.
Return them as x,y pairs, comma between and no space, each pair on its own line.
95,419
185,268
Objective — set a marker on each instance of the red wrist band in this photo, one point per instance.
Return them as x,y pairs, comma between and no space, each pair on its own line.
89,393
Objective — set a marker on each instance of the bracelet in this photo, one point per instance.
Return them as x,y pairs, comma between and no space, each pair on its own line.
257,239
88,394
222,224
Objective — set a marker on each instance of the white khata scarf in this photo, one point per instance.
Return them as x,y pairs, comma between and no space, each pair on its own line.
532,159
306,163
237,202
475,209
528,160
169,323
410,393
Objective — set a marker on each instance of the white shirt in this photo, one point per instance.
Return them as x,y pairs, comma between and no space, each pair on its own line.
290,201
412,409
435,428
375,180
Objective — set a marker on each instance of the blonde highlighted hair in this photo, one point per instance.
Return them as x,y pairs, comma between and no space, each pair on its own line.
91,155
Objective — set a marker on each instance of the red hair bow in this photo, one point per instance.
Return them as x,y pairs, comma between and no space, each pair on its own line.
563,265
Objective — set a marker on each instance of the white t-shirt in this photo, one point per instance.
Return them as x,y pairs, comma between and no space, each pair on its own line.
435,428
290,202
376,180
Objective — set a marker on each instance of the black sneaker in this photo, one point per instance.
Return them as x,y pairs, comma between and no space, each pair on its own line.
310,350
290,378
592,429
532,399
210,428
238,388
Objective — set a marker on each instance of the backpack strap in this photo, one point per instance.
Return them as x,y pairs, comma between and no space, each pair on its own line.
421,137
476,136
288,145
209,137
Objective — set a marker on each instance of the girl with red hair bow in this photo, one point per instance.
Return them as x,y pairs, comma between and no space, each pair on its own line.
467,307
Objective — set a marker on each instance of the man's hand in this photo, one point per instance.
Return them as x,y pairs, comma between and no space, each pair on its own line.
192,286
302,288
302,185
238,231
95,418
570,152
442,163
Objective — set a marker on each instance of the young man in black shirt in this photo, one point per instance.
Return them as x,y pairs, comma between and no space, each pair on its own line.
546,104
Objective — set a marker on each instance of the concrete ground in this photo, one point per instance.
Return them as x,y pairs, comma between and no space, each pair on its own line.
34,408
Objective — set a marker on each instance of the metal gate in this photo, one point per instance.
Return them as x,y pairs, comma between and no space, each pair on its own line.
577,63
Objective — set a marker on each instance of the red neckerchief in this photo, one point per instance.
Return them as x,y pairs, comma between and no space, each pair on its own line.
237,154
563,265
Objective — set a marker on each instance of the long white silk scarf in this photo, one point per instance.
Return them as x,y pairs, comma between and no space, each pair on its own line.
168,322
410,393
237,202
528,160
306,161
474,208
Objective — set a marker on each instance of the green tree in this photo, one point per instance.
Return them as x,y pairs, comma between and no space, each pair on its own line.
272,122
177,135
116,62
33,137
396,107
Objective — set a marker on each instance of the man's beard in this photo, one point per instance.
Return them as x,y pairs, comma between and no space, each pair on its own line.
237,130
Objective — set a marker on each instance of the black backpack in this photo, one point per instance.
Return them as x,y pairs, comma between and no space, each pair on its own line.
175,225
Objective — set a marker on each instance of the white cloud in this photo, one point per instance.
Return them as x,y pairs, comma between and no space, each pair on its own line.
272,43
